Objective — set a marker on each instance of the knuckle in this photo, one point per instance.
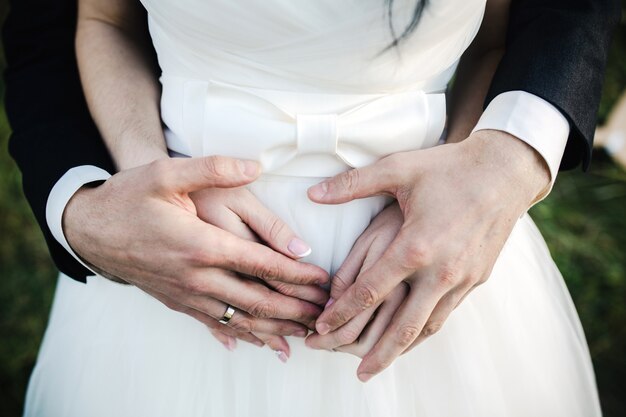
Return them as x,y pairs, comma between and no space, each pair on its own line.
268,271
350,179
417,253
406,334
365,295
274,227
347,335
339,283
160,172
285,289
216,167
447,276
339,316
431,328
263,309
241,324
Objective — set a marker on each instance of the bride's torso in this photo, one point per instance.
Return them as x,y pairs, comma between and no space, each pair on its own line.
232,68
315,46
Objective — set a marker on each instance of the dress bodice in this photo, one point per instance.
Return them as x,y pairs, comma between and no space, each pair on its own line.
235,68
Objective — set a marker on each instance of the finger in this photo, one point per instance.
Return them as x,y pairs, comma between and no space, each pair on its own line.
343,279
345,335
440,314
231,222
253,298
235,254
311,293
371,286
191,174
375,179
376,328
224,218
361,333
241,321
229,342
247,337
221,332
349,269
272,229
278,344
405,327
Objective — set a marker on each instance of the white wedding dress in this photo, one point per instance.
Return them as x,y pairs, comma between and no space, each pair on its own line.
304,87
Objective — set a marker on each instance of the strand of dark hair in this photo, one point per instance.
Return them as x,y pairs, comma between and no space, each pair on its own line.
417,14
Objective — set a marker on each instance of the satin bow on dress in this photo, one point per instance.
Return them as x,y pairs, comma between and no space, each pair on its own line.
219,119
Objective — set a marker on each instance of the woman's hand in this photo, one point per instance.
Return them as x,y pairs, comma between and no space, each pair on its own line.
460,203
238,211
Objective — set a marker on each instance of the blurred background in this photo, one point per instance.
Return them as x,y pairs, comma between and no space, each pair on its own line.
583,221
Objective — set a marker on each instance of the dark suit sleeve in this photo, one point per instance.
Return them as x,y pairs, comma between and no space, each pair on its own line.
52,129
557,50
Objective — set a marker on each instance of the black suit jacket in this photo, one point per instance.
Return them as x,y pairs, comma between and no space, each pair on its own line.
556,49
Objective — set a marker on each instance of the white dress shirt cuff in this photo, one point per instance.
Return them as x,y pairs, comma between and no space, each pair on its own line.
61,194
532,120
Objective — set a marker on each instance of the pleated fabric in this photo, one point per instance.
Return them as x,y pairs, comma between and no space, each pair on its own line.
514,348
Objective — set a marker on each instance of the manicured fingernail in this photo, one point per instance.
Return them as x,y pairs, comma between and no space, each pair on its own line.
330,302
282,356
300,333
230,344
364,376
319,191
322,328
299,248
249,168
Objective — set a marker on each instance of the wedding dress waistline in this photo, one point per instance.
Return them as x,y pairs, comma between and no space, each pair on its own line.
293,133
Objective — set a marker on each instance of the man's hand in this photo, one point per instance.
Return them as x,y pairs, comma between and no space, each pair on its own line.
238,211
359,335
142,226
460,203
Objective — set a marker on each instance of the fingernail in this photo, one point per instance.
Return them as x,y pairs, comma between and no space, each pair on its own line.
319,191
299,247
282,356
364,376
249,168
330,302
323,281
259,344
230,344
322,328
300,333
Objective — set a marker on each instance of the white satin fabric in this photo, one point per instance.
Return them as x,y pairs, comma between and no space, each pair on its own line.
302,86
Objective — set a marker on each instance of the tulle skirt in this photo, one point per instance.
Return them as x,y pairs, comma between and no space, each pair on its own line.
514,347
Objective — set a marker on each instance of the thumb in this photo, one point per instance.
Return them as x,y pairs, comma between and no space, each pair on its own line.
193,174
378,178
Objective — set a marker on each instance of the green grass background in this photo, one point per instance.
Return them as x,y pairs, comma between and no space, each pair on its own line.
583,221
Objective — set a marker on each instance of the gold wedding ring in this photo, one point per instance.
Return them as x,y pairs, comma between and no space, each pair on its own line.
227,315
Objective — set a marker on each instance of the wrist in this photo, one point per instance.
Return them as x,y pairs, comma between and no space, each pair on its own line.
138,157
133,150
75,219
513,160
